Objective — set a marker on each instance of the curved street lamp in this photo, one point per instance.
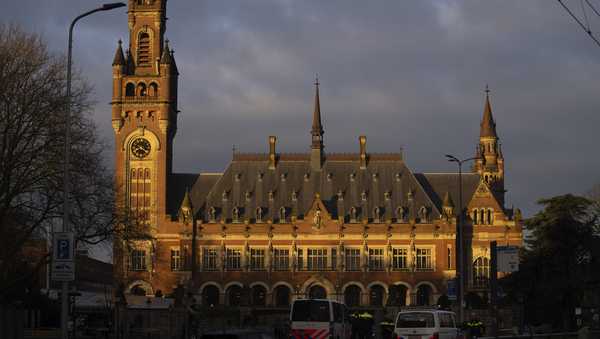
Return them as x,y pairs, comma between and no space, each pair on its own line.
459,238
66,176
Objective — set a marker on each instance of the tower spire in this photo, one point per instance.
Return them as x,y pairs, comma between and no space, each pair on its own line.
317,128
316,155
488,126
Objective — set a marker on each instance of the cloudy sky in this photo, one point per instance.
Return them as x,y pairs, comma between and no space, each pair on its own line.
408,74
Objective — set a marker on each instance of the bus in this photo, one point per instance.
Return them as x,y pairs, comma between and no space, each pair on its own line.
319,319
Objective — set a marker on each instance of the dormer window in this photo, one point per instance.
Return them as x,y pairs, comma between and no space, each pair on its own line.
329,176
282,215
340,195
363,196
352,176
235,215
387,195
212,215
283,176
401,214
248,196
375,176
423,214
377,215
353,214
259,215
398,176
306,176
238,176
271,196
294,195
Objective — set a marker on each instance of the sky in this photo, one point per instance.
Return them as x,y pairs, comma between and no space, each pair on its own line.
408,74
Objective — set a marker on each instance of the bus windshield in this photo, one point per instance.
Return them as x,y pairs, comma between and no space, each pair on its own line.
311,310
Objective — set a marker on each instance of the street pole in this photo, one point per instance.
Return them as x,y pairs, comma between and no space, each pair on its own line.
66,175
459,243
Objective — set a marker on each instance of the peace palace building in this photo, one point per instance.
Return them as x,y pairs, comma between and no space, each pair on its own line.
360,228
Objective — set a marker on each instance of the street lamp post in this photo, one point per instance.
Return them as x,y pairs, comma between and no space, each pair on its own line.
66,174
459,238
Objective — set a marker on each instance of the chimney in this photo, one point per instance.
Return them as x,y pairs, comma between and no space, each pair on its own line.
363,151
272,141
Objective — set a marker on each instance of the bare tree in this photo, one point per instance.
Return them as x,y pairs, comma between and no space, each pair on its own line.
32,106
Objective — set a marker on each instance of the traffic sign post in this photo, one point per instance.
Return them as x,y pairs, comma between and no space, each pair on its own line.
508,258
63,261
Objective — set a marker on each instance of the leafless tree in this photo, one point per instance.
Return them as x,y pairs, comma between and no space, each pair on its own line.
32,106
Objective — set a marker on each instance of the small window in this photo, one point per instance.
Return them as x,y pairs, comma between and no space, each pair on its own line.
153,90
138,260
141,89
129,90
175,260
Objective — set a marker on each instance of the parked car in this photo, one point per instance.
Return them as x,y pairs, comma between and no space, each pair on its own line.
426,324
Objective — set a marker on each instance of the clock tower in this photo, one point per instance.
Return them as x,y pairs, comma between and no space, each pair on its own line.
144,113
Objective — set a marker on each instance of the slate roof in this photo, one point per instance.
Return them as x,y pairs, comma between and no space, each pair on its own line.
437,184
247,184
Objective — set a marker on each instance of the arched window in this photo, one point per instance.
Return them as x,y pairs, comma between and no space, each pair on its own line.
475,214
317,292
210,295
376,295
142,90
481,216
234,295
397,295
424,295
481,272
143,49
138,290
282,296
129,90
352,296
259,295
489,217
153,89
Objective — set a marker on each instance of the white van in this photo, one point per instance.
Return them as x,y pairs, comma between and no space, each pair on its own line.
426,324
319,319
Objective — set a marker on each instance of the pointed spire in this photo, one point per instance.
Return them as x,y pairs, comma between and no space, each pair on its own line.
119,59
166,57
488,126
186,204
129,61
317,128
448,200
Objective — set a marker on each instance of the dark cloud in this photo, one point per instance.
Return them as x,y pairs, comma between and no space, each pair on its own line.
408,74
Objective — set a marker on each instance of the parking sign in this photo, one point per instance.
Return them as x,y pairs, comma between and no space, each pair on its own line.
63,264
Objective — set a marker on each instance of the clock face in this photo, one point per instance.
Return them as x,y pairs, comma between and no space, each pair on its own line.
140,147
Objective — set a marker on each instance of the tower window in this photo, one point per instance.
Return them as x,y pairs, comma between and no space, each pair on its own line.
142,90
489,217
129,90
153,89
144,49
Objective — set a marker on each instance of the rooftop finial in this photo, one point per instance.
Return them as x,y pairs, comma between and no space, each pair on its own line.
488,126
317,79
317,131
